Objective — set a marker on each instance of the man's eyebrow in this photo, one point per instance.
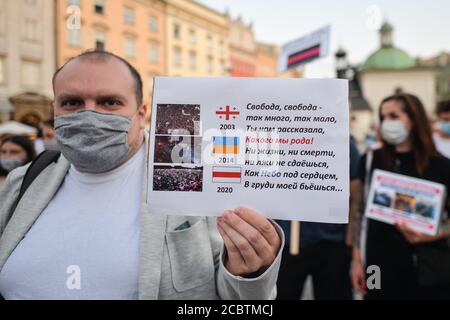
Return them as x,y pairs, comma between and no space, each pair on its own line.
112,96
69,97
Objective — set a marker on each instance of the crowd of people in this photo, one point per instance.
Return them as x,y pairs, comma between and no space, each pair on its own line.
178,119
18,150
177,179
413,265
175,149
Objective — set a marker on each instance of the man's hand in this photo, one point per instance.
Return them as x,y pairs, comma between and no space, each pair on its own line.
415,237
251,241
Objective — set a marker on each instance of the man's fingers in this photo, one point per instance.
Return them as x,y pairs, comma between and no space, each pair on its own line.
260,223
246,250
253,236
232,251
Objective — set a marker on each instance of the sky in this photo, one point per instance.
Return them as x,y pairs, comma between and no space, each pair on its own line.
421,27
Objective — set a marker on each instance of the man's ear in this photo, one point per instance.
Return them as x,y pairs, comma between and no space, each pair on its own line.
143,115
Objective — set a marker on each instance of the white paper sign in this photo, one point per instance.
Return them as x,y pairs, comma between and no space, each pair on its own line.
395,198
278,146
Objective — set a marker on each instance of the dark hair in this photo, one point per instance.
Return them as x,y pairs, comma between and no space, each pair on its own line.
49,122
24,143
421,133
443,106
98,55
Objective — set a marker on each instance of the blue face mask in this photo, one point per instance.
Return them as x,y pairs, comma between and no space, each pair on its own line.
445,127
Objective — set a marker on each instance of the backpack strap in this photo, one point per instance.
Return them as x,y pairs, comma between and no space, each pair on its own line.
34,170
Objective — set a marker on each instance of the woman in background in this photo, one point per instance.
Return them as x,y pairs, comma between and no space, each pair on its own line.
409,261
15,151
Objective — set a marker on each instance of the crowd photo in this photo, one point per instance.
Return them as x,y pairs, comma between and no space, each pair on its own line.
178,119
175,178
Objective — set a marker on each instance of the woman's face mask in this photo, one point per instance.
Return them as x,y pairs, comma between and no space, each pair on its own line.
10,163
445,127
394,132
93,142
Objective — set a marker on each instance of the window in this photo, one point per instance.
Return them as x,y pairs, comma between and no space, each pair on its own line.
209,42
209,65
153,53
30,30
99,6
100,39
192,37
128,16
30,2
74,37
192,60
153,24
2,70
30,74
176,31
233,65
177,57
223,66
130,46
221,46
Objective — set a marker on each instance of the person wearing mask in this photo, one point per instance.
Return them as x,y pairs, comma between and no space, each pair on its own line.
442,135
325,253
49,135
412,264
15,151
84,230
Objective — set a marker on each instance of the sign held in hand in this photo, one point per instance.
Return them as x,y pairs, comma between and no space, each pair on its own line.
278,146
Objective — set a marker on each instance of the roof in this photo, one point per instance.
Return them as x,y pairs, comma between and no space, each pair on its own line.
389,58
386,27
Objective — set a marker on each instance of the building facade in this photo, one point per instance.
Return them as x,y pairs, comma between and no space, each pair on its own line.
441,63
197,39
266,60
27,58
131,29
389,70
243,49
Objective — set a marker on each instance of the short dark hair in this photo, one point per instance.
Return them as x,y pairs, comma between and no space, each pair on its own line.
443,106
100,55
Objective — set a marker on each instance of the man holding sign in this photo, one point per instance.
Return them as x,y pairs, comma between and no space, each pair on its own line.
84,227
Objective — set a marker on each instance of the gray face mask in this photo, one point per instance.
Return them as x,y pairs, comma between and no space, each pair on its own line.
9,164
93,142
